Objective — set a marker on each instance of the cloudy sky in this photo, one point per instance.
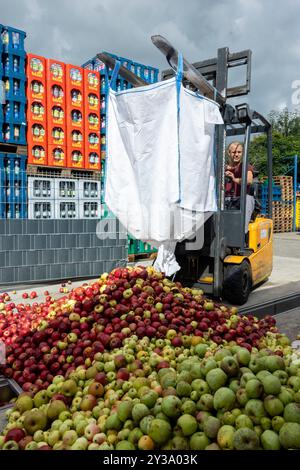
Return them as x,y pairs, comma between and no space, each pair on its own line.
75,30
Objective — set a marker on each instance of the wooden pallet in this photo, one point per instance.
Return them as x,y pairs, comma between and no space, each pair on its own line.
35,170
13,148
139,256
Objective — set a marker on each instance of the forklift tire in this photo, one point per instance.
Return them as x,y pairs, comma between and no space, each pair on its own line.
237,282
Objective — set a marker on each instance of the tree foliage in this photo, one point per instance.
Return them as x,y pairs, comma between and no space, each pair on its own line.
285,143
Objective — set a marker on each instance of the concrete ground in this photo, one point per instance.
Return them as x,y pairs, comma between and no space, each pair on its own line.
289,323
284,280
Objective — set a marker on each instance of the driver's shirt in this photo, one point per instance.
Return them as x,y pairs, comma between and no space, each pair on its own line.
234,189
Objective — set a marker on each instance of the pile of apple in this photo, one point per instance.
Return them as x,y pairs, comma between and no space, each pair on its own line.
17,320
150,394
100,316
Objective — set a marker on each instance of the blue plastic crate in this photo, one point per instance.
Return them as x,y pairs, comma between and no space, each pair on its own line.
148,73
2,187
14,66
12,40
1,66
14,111
17,181
13,197
15,89
89,65
8,133
99,66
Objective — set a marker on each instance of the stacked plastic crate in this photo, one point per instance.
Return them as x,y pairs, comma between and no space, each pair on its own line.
56,113
63,132
12,73
75,116
90,202
263,195
13,191
92,119
283,200
150,75
36,110
66,198
41,197
13,188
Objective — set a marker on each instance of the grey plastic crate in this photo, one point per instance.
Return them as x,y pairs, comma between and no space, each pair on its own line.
62,256
2,258
48,256
26,246
77,254
70,269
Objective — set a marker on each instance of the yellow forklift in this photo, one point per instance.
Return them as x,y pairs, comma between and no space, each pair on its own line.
228,264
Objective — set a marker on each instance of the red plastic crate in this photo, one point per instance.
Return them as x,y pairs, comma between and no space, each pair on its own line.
75,158
36,77
36,132
36,109
91,83
74,88
37,154
92,119
75,115
56,102
57,155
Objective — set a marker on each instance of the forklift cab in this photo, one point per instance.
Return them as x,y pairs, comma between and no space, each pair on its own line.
230,263
227,265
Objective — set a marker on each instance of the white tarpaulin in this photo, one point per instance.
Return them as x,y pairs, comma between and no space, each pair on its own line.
160,178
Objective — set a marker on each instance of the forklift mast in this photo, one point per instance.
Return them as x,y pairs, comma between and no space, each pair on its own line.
226,227
224,230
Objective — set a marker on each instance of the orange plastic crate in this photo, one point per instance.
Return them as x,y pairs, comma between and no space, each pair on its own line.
75,158
92,159
37,153
57,155
36,72
74,88
56,102
92,119
36,109
75,116
36,132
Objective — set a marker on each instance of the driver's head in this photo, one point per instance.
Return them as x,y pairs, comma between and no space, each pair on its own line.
235,152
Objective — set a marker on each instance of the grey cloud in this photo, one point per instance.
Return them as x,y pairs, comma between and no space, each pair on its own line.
75,30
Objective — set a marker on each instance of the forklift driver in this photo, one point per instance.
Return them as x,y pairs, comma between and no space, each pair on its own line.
233,173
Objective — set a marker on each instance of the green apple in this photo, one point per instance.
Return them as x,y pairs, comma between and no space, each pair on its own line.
69,437
160,431
81,443
34,420
270,440
199,441
225,437
188,424
245,439
38,436
24,403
